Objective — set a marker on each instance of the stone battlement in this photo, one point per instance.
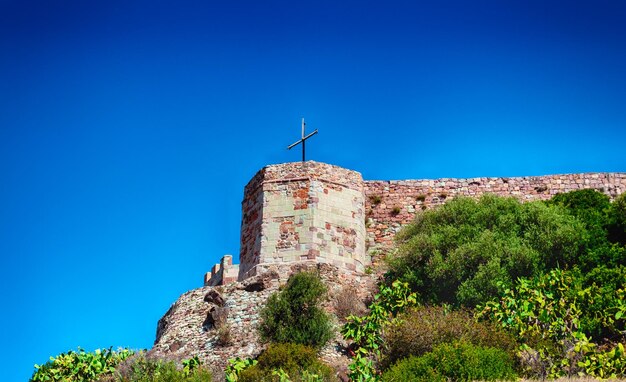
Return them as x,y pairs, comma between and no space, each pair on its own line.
316,212
223,273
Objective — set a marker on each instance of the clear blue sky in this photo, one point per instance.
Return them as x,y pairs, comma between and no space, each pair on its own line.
129,128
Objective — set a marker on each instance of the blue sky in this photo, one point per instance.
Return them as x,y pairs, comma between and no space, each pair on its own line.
129,128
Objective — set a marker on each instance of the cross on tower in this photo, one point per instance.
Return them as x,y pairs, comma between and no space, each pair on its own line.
302,140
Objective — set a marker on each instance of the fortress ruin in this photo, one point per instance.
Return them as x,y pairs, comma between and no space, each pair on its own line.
316,212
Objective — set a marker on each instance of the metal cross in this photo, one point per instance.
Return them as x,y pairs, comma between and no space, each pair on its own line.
302,140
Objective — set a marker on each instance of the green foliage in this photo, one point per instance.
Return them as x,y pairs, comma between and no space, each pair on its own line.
293,314
365,332
418,330
236,366
598,312
287,362
458,361
466,251
544,314
141,368
601,221
80,366
617,220
191,365
608,363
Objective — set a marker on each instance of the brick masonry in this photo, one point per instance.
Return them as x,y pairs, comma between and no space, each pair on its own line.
310,211
302,212
392,204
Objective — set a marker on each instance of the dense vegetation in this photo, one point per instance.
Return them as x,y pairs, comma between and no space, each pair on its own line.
461,252
143,368
545,281
80,365
485,290
288,361
123,365
296,327
293,315
455,361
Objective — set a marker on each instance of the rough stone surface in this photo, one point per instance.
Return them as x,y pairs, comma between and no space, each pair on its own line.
303,211
188,328
391,204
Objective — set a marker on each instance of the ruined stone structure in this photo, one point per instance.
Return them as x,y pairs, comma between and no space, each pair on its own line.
301,212
320,213
318,217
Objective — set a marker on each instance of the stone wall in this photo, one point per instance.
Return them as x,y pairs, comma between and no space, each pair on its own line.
310,211
391,204
223,273
220,323
303,211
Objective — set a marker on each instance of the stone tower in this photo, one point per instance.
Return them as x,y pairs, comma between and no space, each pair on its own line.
303,211
315,212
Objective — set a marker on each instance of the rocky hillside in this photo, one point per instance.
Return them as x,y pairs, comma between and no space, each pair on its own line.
220,323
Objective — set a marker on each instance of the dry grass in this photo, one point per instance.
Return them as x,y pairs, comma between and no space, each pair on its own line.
346,302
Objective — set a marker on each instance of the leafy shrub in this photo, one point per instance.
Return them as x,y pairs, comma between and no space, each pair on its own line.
459,361
617,220
289,361
236,366
80,366
598,215
461,252
544,314
143,368
597,317
293,314
419,330
366,331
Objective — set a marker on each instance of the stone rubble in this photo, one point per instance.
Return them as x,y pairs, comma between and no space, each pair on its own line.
187,328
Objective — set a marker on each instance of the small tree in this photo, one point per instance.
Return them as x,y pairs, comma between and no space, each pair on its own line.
293,314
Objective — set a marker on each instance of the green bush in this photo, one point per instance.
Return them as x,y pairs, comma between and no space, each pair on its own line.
460,252
143,368
617,220
293,314
459,361
80,366
544,313
292,360
597,313
601,220
419,330
365,332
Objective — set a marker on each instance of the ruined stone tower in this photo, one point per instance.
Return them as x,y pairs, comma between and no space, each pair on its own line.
316,212
299,212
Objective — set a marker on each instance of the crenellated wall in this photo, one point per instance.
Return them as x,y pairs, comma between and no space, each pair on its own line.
320,213
223,273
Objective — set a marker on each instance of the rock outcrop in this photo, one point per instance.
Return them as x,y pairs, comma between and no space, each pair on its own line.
219,323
